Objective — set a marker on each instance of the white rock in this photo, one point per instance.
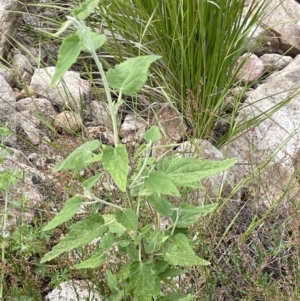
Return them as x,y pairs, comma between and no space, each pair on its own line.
10,20
68,122
275,62
73,291
31,113
70,92
277,138
23,67
30,124
282,17
24,189
132,129
8,75
98,114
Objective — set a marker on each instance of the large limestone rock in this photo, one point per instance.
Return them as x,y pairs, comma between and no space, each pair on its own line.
277,138
71,92
32,116
282,17
279,31
71,291
10,20
22,186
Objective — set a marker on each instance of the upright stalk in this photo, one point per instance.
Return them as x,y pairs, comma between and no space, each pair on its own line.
113,108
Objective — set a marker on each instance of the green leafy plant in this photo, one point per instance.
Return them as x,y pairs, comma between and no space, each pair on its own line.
139,251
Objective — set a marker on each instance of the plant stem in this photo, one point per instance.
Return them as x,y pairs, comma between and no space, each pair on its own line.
175,223
111,105
128,197
80,25
90,195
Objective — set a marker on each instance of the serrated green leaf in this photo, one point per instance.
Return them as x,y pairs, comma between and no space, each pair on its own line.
154,241
162,206
113,225
185,219
194,185
185,171
85,9
160,266
89,183
67,55
77,160
175,256
146,229
128,219
121,294
144,283
123,243
95,261
115,161
112,281
160,182
185,207
189,214
124,272
70,208
80,234
107,241
132,252
182,242
130,75
153,134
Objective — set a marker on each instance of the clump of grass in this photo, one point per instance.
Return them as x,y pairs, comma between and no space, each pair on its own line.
199,41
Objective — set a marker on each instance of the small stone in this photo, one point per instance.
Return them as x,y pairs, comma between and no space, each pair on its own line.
73,290
68,122
70,92
275,62
132,129
172,127
97,113
251,70
28,91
